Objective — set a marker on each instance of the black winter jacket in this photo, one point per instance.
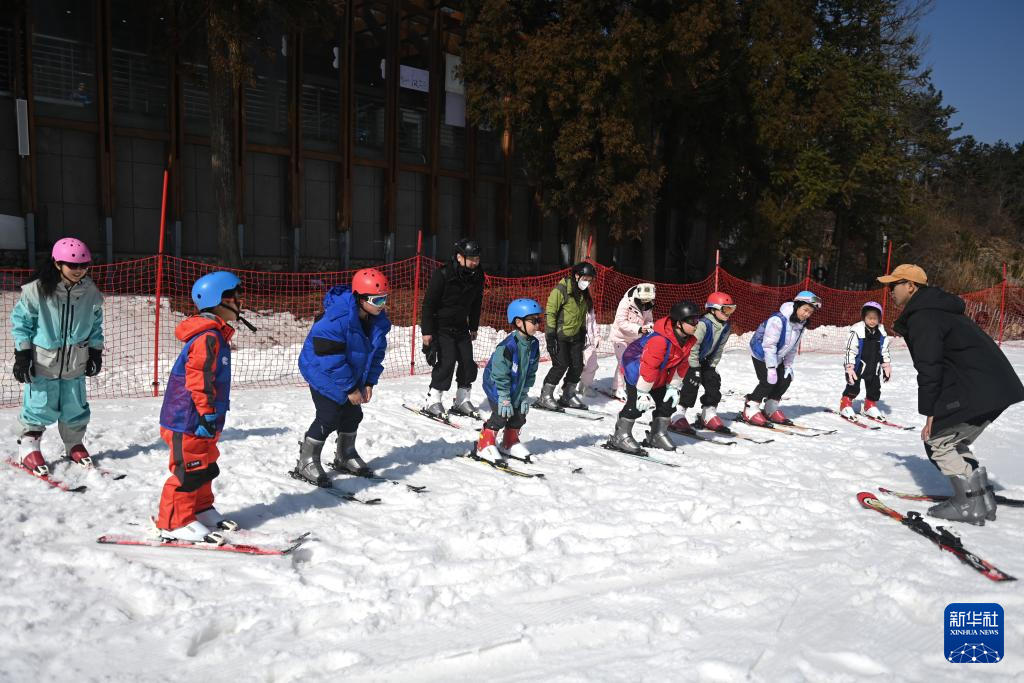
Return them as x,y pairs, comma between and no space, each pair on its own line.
961,373
452,300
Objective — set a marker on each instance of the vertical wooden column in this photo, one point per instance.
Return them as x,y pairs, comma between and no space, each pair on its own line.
105,127
295,165
391,80
343,178
438,77
22,86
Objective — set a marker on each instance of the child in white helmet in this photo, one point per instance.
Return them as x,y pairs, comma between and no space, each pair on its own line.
633,319
868,359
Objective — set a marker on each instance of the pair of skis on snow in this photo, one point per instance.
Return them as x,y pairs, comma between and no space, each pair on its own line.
940,536
60,484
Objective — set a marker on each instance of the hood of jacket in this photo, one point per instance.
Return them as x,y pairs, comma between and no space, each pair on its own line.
193,325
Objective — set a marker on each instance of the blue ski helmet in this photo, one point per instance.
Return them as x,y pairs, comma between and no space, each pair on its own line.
520,308
208,291
807,297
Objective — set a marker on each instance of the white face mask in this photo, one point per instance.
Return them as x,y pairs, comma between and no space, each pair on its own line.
583,284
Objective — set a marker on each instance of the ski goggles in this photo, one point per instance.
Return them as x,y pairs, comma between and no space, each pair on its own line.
378,300
534,320
692,322
728,309
76,266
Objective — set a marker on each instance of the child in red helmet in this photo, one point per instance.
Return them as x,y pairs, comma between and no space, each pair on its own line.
868,359
711,335
342,359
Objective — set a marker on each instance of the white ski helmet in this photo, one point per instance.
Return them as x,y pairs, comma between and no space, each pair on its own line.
644,291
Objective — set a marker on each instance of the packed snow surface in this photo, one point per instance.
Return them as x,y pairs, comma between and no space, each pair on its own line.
749,562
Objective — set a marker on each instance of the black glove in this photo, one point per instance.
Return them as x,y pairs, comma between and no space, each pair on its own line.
23,365
432,351
95,362
552,339
692,379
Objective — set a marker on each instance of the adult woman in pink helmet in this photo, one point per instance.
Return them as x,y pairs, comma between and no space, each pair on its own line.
57,327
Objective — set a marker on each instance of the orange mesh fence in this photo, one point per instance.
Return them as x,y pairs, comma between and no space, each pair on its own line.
139,352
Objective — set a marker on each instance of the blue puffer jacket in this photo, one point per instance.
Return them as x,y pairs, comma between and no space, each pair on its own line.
338,356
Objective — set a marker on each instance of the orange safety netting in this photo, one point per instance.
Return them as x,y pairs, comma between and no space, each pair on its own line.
139,351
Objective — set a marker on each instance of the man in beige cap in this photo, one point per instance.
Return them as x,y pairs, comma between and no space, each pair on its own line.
964,382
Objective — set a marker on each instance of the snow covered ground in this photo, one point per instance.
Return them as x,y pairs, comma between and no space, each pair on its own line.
747,563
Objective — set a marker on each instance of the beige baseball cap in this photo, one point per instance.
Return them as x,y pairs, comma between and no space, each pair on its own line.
906,271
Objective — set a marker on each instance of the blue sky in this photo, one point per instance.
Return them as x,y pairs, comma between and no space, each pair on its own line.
976,53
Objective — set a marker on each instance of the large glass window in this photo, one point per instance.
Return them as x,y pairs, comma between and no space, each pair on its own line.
414,84
64,59
449,214
367,241
266,95
370,27
139,70
321,97
489,159
411,202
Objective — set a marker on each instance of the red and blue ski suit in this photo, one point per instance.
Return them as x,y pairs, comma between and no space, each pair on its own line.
653,362
199,384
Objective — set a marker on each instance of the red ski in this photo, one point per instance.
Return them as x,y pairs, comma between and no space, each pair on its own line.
855,422
55,483
419,411
887,423
940,536
247,549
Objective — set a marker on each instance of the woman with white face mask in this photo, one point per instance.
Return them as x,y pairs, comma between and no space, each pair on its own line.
566,334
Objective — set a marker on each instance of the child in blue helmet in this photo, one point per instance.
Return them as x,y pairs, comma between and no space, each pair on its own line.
57,328
195,405
508,377
773,348
868,359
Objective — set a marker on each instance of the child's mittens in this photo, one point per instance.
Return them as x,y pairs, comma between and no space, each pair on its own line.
851,375
887,371
773,376
207,428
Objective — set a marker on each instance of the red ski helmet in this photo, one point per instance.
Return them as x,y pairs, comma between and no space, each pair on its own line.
718,299
368,282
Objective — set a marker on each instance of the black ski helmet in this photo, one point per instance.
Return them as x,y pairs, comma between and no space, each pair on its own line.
585,269
468,248
684,310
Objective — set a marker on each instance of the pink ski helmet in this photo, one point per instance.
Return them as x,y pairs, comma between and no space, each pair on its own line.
71,250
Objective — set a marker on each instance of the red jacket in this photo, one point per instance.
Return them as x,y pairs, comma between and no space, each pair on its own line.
654,360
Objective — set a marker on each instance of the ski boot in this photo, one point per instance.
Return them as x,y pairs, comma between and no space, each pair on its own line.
32,454
308,468
80,455
771,409
211,518
486,447
433,406
708,419
752,414
967,503
463,405
870,408
623,438
547,399
569,399
681,425
195,532
990,495
846,408
511,447
657,437
346,459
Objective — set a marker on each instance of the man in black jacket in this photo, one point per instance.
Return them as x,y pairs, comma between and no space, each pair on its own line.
451,316
964,383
